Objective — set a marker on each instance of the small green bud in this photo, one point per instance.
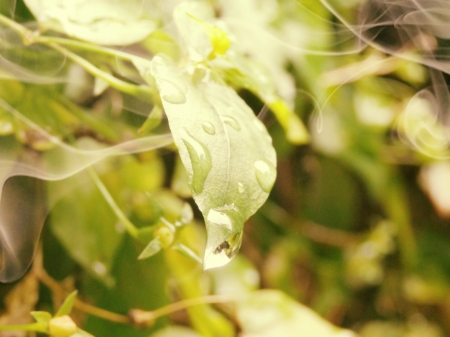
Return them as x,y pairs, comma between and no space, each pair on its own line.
62,326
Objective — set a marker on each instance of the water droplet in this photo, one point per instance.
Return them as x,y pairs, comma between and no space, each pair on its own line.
6,127
231,122
99,268
200,160
119,227
224,252
241,188
171,92
209,128
265,174
224,229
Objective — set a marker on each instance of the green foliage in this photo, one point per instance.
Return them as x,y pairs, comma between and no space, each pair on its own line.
142,143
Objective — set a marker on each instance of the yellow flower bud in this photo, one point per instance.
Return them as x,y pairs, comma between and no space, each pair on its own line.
62,326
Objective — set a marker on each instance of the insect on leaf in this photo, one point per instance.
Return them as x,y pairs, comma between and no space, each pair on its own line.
226,151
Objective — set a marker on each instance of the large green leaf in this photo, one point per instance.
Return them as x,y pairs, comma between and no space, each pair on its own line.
272,313
90,237
107,22
226,150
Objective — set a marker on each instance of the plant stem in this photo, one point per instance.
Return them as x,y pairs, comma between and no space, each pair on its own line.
88,47
21,30
57,289
26,327
140,91
129,227
147,318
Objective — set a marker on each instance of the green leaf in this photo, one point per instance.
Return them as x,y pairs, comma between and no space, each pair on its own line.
226,151
91,237
272,313
66,307
106,22
41,316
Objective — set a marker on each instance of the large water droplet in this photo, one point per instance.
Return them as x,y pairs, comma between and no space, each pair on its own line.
265,174
200,160
231,121
224,252
209,128
241,188
224,227
171,92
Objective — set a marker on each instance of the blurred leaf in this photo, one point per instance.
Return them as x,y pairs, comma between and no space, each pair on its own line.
90,237
237,278
190,284
66,307
160,41
272,313
41,316
179,182
139,284
101,21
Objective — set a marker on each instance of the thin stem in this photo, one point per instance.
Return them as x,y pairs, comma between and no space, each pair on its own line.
129,227
21,30
26,327
147,318
89,47
57,289
140,91
189,303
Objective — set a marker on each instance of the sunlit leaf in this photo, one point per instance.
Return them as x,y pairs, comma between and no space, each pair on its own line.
209,123
272,313
104,22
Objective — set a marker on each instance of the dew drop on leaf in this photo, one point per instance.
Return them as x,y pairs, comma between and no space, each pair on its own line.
265,174
231,122
171,92
241,188
209,128
200,160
